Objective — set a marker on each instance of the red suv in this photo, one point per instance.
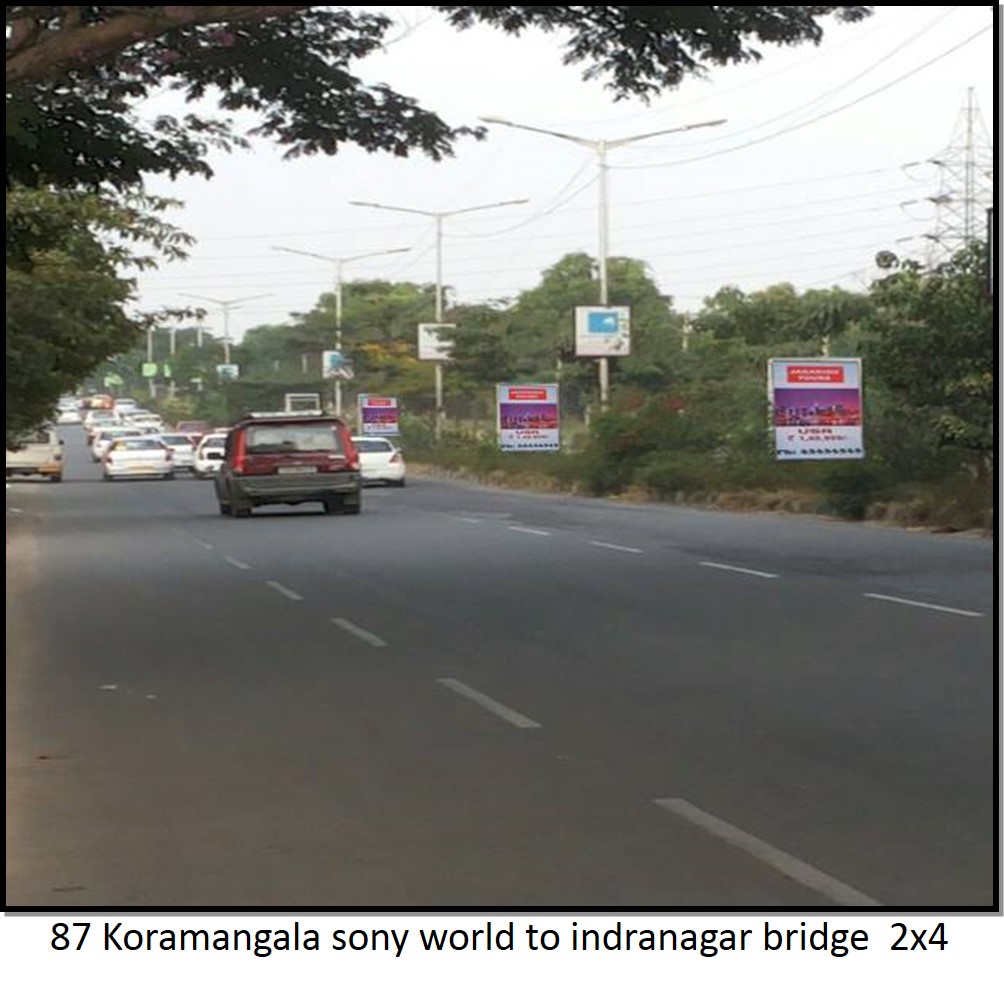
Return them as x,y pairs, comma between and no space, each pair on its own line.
289,458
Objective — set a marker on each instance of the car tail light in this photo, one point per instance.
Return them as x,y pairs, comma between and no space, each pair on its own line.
240,454
106,458
170,453
351,452
397,457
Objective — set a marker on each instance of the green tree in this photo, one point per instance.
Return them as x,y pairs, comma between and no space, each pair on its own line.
934,351
74,75
67,302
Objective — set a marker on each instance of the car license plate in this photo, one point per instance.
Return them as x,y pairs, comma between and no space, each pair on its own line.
296,470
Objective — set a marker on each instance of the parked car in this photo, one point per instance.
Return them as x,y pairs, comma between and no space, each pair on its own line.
136,457
380,460
68,416
208,455
183,448
289,458
39,453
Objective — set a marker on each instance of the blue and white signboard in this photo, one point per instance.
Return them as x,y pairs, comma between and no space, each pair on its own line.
228,371
602,331
431,346
335,365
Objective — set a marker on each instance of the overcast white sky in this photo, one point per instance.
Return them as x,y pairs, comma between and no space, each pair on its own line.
814,171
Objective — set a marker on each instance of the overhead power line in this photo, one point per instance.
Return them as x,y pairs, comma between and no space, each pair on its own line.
813,120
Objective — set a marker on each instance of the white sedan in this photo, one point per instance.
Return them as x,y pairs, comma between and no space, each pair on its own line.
103,439
135,457
380,460
209,455
183,448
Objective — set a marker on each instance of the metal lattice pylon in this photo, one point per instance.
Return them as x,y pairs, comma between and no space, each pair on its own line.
966,185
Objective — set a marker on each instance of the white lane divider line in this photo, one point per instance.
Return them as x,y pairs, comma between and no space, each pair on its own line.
742,571
914,602
792,867
236,562
350,627
282,590
468,520
503,711
529,530
203,544
617,547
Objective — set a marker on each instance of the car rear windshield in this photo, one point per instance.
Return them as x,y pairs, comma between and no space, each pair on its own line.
278,439
372,445
176,440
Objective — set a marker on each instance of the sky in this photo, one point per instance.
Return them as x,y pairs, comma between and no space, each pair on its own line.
825,158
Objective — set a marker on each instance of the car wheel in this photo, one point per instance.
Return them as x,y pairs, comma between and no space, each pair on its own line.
399,483
55,479
241,512
225,509
169,475
107,478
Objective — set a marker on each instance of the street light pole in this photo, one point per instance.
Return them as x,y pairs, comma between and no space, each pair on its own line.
149,359
339,263
439,217
600,147
226,307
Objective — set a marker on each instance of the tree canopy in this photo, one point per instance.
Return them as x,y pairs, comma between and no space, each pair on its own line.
74,75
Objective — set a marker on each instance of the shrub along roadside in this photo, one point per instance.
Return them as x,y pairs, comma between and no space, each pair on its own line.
852,490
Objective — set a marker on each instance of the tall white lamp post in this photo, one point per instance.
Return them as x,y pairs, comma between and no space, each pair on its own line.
339,263
439,217
601,147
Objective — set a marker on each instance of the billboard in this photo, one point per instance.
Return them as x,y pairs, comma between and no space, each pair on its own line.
816,408
378,415
602,331
527,415
430,345
228,371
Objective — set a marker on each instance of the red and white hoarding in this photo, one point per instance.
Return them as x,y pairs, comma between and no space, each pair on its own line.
816,408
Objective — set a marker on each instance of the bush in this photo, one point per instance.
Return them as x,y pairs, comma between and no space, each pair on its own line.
666,473
852,487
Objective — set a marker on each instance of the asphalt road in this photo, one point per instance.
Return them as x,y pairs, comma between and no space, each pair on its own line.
472,698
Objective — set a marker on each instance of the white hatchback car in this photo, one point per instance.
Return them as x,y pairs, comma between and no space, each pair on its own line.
134,457
209,455
380,460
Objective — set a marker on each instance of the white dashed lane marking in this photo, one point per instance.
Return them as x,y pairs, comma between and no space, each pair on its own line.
282,590
236,562
741,571
350,627
529,530
486,702
792,867
617,547
914,602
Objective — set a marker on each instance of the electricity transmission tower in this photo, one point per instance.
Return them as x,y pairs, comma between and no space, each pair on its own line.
966,185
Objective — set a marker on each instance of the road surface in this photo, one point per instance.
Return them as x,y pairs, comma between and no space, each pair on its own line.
467,697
